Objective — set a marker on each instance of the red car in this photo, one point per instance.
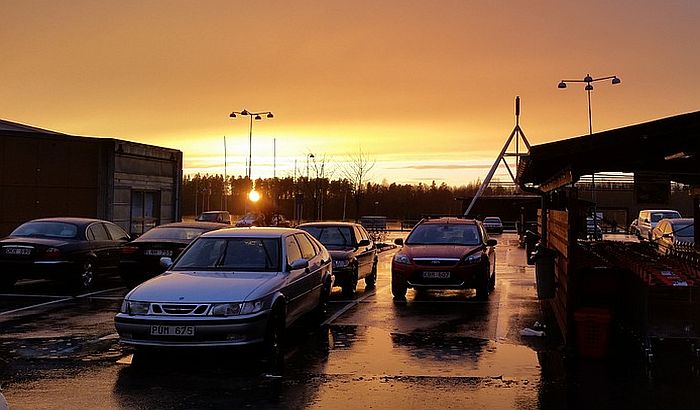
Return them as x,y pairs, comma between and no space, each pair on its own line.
445,253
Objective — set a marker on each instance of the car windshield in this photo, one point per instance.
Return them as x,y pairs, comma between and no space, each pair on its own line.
444,234
211,217
657,216
685,231
331,235
173,233
47,229
231,254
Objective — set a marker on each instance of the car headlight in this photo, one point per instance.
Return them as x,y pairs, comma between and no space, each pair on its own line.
234,309
341,263
474,258
135,308
402,258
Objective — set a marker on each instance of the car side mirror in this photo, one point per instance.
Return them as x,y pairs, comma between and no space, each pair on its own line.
491,242
364,242
398,241
166,262
299,264
646,220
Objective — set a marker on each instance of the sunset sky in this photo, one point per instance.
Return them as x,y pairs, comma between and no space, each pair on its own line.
424,88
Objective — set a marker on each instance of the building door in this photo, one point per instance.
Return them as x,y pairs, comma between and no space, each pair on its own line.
145,211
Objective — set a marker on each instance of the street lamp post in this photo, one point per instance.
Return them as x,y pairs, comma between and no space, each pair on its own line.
252,195
589,87
257,116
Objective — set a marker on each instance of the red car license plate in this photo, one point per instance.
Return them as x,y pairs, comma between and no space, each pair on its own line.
436,275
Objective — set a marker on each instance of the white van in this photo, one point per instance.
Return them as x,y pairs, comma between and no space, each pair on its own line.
648,218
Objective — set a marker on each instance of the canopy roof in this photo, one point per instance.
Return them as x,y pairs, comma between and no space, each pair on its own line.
668,147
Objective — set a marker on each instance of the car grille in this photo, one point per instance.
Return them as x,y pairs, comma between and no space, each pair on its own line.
179,309
435,262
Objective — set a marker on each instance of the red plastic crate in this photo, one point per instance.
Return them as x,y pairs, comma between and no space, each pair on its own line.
593,331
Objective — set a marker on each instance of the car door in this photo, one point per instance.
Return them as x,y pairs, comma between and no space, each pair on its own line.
365,254
99,244
118,238
314,279
294,284
490,251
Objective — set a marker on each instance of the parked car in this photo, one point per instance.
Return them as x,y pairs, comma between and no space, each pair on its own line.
670,232
633,229
71,250
140,259
230,287
222,217
280,221
251,219
445,253
354,253
493,224
648,218
593,229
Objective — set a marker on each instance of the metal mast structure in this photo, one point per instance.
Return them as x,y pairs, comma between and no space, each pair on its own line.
517,134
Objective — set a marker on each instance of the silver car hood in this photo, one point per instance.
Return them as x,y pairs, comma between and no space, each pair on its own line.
205,287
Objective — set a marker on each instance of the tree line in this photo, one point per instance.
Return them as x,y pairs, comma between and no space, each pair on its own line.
323,198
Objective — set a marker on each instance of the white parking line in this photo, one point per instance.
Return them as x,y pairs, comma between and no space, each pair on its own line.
354,303
29,295
66,299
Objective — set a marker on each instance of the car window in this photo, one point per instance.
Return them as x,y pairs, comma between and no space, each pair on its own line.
292,247
307,249
363,233
684,232
117,233
444,234
231,254
97,232
173,233
331,235
47,229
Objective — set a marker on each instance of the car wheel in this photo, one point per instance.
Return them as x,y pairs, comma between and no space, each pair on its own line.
323,299
371,279
351,284
482,291
492,281
7,282
398,291
85,276
274,338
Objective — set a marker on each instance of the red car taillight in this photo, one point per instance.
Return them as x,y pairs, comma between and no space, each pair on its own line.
128,250
52,253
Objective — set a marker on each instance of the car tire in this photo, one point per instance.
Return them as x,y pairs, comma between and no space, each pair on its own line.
492,281
85,276
7,282
371,279
320,309
350,285
482,291
398,291
273,353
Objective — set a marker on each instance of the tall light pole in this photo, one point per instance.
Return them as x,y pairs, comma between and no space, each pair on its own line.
257,116
309,155
589,87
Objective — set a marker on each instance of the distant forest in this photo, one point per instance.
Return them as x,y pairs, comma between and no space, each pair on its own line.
323,198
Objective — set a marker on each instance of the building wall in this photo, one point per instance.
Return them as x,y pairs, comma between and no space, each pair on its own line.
44,175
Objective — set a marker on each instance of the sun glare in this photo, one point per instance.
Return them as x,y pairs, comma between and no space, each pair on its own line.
254,196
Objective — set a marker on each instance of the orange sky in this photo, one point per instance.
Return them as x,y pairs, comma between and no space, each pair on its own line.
424,88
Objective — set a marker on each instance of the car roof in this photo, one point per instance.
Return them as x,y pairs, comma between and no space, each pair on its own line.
449,220
659,210
328,223
252,232
196,224
214,212
492,217
70,220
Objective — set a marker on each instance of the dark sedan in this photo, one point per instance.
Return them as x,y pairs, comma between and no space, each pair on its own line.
140,259
354,253
72,250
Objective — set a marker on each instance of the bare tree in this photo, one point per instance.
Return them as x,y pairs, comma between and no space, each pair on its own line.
356,170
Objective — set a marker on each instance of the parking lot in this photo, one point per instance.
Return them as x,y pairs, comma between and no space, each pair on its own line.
439,349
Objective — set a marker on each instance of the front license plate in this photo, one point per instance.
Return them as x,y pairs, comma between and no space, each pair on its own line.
436,275
157,252
18,251
159,330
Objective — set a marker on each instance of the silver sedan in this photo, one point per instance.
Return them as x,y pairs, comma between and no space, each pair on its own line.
230,287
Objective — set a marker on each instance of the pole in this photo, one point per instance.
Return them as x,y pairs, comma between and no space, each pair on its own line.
224,204
274,158
593,190
250,147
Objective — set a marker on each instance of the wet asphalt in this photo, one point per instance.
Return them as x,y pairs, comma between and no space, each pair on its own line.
438,349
